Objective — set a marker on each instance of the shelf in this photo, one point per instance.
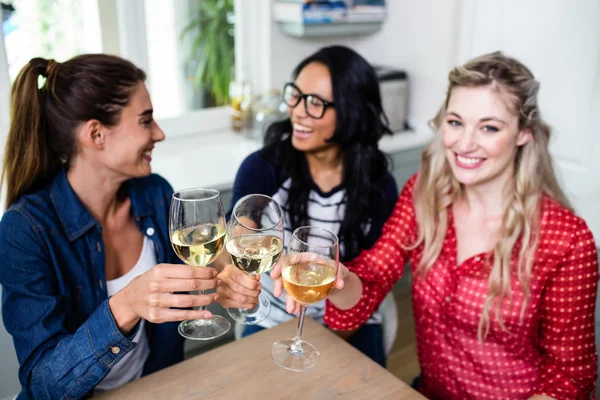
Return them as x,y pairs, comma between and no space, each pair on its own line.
329,29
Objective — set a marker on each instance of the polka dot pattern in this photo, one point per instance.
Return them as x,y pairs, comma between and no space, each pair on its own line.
550,351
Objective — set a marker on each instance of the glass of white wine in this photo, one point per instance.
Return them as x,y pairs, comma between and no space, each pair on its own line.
309,272
255,242
197,232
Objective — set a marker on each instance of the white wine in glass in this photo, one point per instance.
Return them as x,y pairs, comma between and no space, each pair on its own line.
309,273
197,232
255,242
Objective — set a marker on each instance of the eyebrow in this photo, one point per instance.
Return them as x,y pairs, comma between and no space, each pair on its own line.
318,96
146,112
484,119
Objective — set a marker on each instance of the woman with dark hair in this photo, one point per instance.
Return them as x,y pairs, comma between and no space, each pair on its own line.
324,167
86,266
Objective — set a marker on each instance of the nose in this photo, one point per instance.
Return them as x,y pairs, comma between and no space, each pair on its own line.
157,134
467,141
299,111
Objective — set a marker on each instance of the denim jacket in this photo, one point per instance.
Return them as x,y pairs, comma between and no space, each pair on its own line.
54,299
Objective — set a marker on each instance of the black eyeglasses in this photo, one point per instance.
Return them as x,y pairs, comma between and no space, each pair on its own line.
314,105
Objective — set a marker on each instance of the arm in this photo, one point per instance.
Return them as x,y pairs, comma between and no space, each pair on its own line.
567,323
57,361
378,268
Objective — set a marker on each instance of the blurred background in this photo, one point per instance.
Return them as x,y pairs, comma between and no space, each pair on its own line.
215,69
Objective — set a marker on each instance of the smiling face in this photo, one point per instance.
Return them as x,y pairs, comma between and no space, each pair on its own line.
311,134
128,146
481,136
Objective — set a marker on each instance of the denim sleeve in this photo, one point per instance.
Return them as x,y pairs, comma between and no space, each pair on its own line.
54,363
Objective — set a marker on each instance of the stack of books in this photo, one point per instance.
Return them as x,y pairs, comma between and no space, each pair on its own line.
310,12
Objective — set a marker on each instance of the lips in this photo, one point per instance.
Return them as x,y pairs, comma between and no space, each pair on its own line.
147,154
468,162
302,132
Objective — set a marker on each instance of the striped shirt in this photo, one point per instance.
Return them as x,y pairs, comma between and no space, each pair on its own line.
325,210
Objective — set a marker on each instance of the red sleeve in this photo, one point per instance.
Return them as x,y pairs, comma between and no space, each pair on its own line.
380,267
567,324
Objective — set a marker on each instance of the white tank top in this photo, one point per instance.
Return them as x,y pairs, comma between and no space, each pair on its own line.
130,367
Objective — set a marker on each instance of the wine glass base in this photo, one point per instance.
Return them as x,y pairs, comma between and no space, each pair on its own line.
253,316
285,357
204,329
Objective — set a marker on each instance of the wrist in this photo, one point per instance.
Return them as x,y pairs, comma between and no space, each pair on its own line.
350,294
124,316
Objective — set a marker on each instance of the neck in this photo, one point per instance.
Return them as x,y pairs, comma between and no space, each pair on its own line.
97,191
329,158
489,198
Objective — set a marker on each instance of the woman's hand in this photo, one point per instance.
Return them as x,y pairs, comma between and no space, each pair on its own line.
236,289
292,306
150,295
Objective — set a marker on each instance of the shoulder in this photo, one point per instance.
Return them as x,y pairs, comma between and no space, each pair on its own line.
33,211
409,186
257,173
256,162
561,228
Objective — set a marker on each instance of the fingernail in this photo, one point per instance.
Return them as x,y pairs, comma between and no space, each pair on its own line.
216,296
208,314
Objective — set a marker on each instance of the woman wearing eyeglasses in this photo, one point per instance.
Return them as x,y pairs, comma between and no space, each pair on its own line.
324,167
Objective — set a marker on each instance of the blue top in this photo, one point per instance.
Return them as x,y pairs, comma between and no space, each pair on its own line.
54,300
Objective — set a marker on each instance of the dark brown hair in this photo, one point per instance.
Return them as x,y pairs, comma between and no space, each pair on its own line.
41,138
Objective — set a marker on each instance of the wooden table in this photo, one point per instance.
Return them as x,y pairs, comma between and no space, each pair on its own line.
244,370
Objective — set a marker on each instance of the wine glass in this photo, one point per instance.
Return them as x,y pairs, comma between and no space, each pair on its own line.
255,243
197,232
309,272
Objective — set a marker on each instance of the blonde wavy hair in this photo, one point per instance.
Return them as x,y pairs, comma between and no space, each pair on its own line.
436,187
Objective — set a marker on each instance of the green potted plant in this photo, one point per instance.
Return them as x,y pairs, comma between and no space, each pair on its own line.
211,34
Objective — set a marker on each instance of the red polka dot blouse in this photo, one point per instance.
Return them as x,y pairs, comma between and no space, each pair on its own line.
550,351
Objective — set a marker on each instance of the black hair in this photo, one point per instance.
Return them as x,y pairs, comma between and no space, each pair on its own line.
361,122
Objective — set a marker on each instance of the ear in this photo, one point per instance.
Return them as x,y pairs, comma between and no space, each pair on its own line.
92,134
524,136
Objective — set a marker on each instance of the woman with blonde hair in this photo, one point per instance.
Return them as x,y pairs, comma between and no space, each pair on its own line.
505,273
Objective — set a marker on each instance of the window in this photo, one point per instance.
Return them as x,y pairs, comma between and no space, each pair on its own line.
153,35
38,28
191,54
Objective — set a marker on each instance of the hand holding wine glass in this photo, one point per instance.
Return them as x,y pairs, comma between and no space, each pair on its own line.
197,232
309,273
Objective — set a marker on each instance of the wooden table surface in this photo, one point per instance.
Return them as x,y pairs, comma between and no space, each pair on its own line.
244,370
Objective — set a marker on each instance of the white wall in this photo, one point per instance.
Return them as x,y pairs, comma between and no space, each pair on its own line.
418,37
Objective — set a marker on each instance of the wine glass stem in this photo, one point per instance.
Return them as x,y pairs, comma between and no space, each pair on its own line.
206,321
296,346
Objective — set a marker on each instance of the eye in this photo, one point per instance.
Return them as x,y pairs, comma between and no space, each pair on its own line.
315,101
147,122
490,129
454,122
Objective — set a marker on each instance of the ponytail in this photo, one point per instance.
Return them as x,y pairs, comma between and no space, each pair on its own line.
29,162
